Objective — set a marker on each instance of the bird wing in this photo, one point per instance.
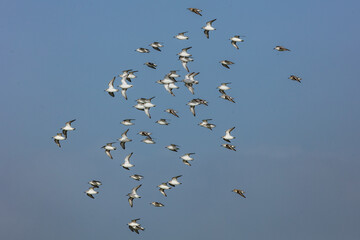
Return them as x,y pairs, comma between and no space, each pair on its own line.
225,65
111,94
206,33
108,153
185,66
130,201
147,112
57,142
162,192
90,195
111,83
127,158
234,44
124,134
135,189
192,109
123,93
210,22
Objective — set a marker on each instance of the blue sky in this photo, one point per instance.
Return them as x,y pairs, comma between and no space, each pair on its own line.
296,158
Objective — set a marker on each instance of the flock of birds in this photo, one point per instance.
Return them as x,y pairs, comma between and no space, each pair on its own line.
145,104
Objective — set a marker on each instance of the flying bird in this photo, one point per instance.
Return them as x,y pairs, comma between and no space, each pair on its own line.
127,122
226,63
223,87
205,123
124,139
58,137
295,78
157,204
181,36
195,10
95,183
172,111
240,192
127,165
227,136
173,182
111,90
134,226
228,146
281,49
151,65
236,39
124,87
142,50
173,147
133,195
156,46
208,27
109,147
136,177
162,122
90,192
68,127
227,97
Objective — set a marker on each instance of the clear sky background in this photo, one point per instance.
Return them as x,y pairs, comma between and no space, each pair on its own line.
297,158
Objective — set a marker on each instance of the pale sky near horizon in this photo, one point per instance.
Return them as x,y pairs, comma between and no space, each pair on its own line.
297,154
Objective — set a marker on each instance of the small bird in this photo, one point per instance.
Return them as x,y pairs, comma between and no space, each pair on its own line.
90,192
281,49
184,52
133,195
227,136
195,102
145,134
148,140
173,74
295,78
162,122
125,73
206,124
163,187
131,75
157,204
124,87
156,46
240,192
127,122
127,165
145,105
186,158
151,65
136,177
58,137
189,80
142,50
195,10
181,36
95,183
172,111
111,90
229,146
109,147
236,39
134,226
173,147
226,63
68,127
208,27
124,139
223,87
227,97
173,182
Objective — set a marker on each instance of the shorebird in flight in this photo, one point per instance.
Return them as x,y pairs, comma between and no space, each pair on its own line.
127,122
124,87
186,158
95,183
228,146
172,111
195,10
223,87
109,147
142,50
68,127
226,63
124,139
58,137
111,90
134,226
227,136
162,122
295,78
157,204
173,147
208,27
136,177
240,192
236,39
227,97
156,46
205,123
90,192
163,187
133,195
173,182
281,49
151,65
181,36
127,165
195,102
